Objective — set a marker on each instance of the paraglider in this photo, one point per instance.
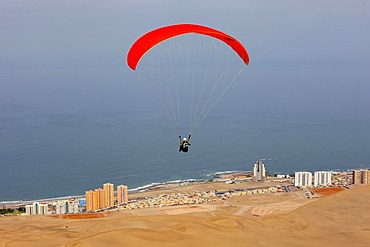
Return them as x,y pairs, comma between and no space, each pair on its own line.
191,67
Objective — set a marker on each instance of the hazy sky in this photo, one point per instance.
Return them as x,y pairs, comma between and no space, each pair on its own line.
305,55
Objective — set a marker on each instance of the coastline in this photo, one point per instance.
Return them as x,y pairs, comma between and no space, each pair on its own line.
137,190
220,179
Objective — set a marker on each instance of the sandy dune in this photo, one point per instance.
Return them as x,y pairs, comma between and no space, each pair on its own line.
286,219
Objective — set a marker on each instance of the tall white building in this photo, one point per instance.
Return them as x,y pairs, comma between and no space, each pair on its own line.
43,208
66,207
303,179
37,208
259,172
29,209
322,178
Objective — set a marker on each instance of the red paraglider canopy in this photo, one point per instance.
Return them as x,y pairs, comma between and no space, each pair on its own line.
152,38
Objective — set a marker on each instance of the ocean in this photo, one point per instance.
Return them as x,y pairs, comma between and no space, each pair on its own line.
63,134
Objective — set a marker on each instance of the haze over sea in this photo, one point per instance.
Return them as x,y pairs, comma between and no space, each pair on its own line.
73,116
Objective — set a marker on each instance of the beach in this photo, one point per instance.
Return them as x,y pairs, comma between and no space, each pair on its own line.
337,218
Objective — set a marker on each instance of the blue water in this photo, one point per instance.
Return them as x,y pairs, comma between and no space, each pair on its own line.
64,133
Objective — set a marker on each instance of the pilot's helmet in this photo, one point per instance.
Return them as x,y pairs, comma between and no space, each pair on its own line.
184,139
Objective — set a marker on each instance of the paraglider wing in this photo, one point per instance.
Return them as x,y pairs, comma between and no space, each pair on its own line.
152,38
190,67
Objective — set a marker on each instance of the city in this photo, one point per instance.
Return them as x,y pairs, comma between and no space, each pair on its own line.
245,183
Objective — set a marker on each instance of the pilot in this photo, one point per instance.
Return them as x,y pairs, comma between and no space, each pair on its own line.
184,144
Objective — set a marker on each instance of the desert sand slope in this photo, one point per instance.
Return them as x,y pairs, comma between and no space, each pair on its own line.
341,219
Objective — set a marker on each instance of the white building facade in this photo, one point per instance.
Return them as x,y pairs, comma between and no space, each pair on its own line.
322,178
303,179
37,208
259,172
66,207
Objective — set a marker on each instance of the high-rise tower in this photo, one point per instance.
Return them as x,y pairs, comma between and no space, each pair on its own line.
259,172
122,194
303,179
322,178
108,195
